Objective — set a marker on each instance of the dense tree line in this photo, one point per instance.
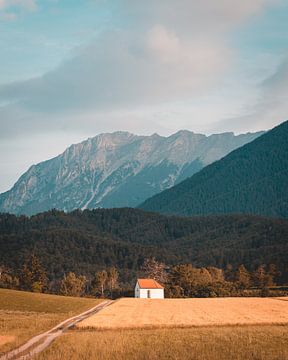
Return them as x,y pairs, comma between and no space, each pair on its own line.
180,281
32,277
185,280
85,242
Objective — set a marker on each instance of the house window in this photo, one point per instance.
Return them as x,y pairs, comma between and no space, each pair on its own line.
148,294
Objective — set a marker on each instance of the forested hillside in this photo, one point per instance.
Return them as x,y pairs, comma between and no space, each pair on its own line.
88,241
252,179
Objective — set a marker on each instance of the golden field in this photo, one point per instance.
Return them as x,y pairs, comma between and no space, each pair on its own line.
204,329
269,342
198,329
24,314
141,313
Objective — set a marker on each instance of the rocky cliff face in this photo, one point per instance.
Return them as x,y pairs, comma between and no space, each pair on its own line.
116,170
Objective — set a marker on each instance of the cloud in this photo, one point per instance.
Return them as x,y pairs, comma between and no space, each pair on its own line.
164,52
24,4
270,109
9,8
123,70
199,17
8,16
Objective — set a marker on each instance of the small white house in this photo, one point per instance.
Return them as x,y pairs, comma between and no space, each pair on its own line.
149,289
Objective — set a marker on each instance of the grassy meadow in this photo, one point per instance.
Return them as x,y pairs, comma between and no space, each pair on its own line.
204,343
24,314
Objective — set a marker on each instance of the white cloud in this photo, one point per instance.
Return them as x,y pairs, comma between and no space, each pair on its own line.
166,52
9,8
121,69
30,5
8,16
270,109
197,16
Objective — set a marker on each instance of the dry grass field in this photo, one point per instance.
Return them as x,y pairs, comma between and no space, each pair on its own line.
269,342
198,329
204,329
141,313
24,314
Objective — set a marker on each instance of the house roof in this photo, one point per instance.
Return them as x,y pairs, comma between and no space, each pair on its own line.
149,284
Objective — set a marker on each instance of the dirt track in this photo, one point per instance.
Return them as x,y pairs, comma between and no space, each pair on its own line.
40,342
139,313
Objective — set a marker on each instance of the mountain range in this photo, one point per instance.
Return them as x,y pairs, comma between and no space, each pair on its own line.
116,170
252,179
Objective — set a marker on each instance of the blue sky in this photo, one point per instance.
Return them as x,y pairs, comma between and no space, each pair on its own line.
38,40
72,69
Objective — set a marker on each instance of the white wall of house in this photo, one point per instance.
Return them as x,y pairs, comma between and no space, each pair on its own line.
148,293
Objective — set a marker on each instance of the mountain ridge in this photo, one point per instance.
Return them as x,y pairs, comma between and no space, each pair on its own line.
117,169
251,179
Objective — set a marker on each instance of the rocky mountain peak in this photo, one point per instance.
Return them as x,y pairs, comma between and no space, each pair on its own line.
115,170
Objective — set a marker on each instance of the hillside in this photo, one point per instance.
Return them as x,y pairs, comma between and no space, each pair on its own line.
116,170
87,241
252,179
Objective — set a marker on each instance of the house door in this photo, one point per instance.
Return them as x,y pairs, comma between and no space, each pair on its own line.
148,294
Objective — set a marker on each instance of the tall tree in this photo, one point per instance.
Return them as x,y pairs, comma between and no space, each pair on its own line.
217,275
243,277
8,279
189,278
112,279
32,275
99,283
154,269
260,277
71,285
229,273
272,274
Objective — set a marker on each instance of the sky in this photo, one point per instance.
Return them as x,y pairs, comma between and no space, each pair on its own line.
71,69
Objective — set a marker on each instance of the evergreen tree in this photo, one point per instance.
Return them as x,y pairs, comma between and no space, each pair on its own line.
260,277
32,275
112,279
272,274
242,277
229,273
8,280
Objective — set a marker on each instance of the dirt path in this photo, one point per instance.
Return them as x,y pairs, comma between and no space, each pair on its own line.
40,342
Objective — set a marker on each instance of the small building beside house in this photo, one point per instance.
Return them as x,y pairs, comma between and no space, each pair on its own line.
149,289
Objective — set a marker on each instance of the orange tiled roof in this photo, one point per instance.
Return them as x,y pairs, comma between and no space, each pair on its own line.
149,284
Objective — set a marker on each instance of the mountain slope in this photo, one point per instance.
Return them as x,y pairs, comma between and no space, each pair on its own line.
116,170
252,179
90,240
